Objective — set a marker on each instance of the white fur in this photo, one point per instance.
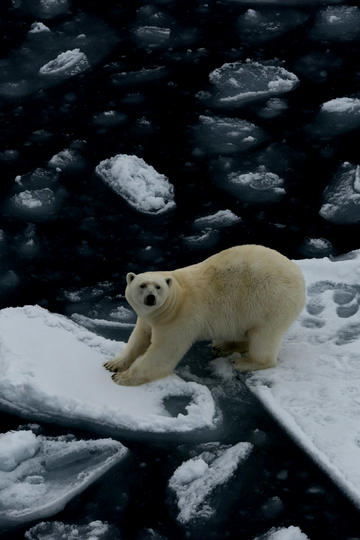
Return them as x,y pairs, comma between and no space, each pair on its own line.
243,298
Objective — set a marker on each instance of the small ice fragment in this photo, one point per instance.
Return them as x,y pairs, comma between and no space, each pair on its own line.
222,218
66,64
56,530
197,478
38,27
283,533
15,447
341,198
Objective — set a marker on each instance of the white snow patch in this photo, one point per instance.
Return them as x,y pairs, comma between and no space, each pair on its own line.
31,486
51,369
196,479
341,198
138,183
341,105
222,218
38,27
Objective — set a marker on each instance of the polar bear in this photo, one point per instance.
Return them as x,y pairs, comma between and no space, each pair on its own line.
242,299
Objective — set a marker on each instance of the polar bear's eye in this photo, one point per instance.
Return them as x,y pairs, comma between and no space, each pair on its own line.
142,286
158,287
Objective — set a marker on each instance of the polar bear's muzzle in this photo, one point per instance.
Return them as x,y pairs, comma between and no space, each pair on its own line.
150,300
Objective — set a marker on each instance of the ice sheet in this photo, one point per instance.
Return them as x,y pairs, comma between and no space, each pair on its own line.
48,472
51,369
314,390
196,479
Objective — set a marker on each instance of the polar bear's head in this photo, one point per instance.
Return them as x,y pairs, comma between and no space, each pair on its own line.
148,291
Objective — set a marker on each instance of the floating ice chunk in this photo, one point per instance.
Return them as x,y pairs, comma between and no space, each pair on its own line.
222,218
138,183
341,198
66,64
109,118
316,247
152,36
259,26
205,240
256,187
67,159
31,486
143,76
56,530
197,478
273,108
15,447
48,9
284,2
35,204
284,533
340,23
38,27
51,369
123,314
336,116
216,135
238,83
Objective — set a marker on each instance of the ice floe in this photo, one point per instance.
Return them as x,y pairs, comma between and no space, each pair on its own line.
56,530
52,369
152,36
195,480
260,25
66,64
256,186
238,83
222,218
284,2
37,204
339,23
313,391
341,198
138,183
30,484
335,117
283,533
218,135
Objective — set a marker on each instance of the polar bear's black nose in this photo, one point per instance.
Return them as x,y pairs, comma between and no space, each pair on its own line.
150,300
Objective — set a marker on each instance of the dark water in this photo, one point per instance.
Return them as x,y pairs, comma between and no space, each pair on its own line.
92,237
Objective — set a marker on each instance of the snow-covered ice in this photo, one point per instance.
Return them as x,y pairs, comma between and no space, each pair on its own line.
283,533
37,204
30,484
66,64
219,135
206,239
37,27
138,183
336,116
313,391
57,530
341,198
339,23
256,186
152,36
238,83
284,2
316,247
261,25
195,480
51,369
222,218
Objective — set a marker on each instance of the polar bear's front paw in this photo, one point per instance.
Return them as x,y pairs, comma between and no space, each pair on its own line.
129,378
118,364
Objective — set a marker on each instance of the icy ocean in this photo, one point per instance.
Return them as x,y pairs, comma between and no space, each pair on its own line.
149,135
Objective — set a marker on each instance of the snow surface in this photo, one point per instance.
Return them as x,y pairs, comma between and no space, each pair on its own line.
238,83
284,533
56,530
66,64
138,183
337,116
51,369
196,479
313,391
31,486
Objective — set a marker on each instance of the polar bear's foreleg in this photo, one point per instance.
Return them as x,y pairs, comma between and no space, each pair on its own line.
159,361
264,345
138,343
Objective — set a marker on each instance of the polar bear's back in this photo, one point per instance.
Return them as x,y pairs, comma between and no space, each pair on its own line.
253,280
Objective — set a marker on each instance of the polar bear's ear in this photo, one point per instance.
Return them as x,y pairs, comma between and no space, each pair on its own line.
129,277
169,281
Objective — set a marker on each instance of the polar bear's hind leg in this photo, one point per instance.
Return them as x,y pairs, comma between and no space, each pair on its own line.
264,345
